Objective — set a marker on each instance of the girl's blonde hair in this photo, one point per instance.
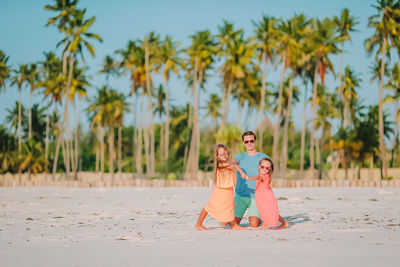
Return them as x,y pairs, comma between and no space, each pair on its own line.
216,161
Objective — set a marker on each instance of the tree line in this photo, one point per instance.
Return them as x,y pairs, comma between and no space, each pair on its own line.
43,138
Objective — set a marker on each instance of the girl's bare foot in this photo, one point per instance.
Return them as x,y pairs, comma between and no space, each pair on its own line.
237,227
200,227
263,227
283,225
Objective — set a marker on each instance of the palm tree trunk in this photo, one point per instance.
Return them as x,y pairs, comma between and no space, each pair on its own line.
396,125
317,154
147,151
303,131
344,121
396,131
225,104
97,159
278,114
193,165
262,105
239,120
119,149
46,148
111,152
76,120
371,167
66,119
30,115
321,152
314,111
19,119
186,166
197,146
139,147
150,111
134,140
102,156
162,138
381,133
59,140
284,155
166,143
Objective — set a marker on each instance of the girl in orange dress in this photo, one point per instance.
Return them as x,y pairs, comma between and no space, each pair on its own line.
265,200
221,205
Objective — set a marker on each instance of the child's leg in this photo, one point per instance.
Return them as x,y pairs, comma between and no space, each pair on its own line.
199,224
284,224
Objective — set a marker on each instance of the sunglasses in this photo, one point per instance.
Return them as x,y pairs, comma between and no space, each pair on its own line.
266,168
224,154
249,141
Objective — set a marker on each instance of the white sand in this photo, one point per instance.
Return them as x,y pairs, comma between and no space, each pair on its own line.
154,227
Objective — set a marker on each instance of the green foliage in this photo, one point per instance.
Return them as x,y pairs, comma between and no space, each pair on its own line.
171,176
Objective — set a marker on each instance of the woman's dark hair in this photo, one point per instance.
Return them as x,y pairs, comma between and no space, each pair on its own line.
249,133
269,160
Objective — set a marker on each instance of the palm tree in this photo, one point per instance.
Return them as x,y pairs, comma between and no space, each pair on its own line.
121,107
394,84
53,84
344,25
33,160
75,26
33,80
12,117
296,56
266,35
213,107
201,56
322,43
107,109
19,78
66,10
133,62
237,53
150,46
4,70
160,110
169,57
386,27
110,67
326,111
348,90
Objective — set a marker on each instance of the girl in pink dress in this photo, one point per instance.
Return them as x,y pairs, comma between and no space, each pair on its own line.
265,200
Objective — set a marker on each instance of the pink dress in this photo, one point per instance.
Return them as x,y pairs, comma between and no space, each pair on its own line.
266,202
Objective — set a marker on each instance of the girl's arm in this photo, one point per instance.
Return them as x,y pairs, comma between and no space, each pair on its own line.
232,161
254,178
242,174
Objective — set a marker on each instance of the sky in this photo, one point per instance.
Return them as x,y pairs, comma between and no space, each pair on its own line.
24,38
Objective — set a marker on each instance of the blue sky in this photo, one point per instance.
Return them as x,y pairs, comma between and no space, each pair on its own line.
24,37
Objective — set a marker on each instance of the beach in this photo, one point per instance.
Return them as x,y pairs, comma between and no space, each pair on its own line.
133,226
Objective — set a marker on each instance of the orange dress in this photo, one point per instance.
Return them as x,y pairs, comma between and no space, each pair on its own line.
266,202
220,205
